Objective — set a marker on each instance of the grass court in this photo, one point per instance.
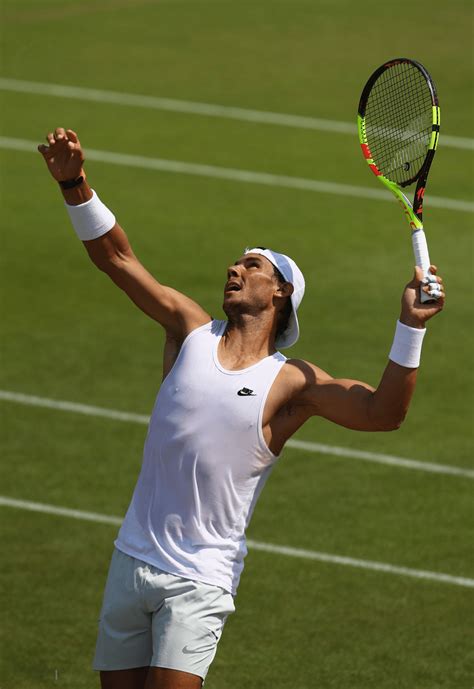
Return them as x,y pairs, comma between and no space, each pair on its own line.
68,334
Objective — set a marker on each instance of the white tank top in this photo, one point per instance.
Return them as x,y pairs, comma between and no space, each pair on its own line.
205,463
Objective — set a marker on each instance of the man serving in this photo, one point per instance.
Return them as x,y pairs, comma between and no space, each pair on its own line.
228,403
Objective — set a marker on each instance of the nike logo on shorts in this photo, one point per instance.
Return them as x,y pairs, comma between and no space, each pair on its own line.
202,646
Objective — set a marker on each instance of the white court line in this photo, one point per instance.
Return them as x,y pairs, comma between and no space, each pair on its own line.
206,109
319,448
256,545
265,178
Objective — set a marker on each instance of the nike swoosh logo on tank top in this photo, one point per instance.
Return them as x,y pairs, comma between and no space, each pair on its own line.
246,392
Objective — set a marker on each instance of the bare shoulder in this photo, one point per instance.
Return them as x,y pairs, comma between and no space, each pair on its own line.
289,405
173,343
299,375
295,378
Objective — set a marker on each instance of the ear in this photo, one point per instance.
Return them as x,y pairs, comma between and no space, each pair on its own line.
285,290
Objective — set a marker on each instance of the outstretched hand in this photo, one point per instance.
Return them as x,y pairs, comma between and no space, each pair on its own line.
414,313
63,154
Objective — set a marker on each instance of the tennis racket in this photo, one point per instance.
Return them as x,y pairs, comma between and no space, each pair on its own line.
398,123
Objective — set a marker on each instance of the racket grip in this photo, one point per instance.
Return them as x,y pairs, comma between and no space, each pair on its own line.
422,257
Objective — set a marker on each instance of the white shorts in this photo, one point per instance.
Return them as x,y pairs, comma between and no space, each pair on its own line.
150,617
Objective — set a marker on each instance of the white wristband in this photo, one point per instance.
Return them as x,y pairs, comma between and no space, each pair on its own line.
91,219
406,347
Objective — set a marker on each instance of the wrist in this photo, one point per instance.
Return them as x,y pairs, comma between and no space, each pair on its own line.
73,182
406,347
78,194
90,218
411,321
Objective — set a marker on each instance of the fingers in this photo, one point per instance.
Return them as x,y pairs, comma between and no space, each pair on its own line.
57,136
59,133
72,136
43,149
46,151
419,275
434,292
433,286
60,136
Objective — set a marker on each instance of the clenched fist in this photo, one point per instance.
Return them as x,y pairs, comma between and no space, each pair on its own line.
414,313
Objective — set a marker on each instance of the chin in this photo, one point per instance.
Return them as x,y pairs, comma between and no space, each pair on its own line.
231,305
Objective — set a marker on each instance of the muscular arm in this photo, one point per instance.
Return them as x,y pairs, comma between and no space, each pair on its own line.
112,252
177,313
355,404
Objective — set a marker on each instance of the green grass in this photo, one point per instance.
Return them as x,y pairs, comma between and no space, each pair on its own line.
69,334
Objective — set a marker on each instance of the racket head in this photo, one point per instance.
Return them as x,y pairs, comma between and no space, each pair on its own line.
398,118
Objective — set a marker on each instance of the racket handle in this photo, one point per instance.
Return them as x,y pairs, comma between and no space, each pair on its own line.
422,257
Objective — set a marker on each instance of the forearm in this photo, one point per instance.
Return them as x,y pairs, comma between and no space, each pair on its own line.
388,405
111,253
109,250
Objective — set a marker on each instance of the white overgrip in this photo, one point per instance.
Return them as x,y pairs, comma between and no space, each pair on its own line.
420,249
422,257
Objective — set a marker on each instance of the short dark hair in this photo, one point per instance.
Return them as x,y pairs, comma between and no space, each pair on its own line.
285,313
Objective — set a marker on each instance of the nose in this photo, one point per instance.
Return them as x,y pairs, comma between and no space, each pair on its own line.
232,272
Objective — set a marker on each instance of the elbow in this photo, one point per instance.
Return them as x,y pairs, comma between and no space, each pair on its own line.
393,426
386,417
392,423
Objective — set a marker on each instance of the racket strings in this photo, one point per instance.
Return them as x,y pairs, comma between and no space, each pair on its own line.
398,122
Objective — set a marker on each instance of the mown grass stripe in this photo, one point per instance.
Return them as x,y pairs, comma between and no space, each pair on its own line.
319,448
235,175
255,545
197,108
75,407
381,458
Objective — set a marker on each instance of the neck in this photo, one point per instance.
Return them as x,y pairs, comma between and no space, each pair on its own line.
247,340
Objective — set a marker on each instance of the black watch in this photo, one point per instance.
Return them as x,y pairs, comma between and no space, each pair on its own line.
71,183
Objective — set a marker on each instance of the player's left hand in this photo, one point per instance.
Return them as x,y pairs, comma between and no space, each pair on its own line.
414,313
63,155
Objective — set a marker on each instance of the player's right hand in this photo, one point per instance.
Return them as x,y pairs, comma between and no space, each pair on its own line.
415,313
63,155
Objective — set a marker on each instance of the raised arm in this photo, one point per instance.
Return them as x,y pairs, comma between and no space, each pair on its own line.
359,406
111,251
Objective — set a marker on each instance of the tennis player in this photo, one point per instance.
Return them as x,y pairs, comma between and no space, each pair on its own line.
228,403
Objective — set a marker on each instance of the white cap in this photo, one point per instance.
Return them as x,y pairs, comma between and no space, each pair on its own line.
293,275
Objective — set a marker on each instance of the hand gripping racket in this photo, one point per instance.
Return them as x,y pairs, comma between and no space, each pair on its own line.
398,125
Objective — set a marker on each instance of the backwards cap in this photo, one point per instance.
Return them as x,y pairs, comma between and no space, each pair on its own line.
293,275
